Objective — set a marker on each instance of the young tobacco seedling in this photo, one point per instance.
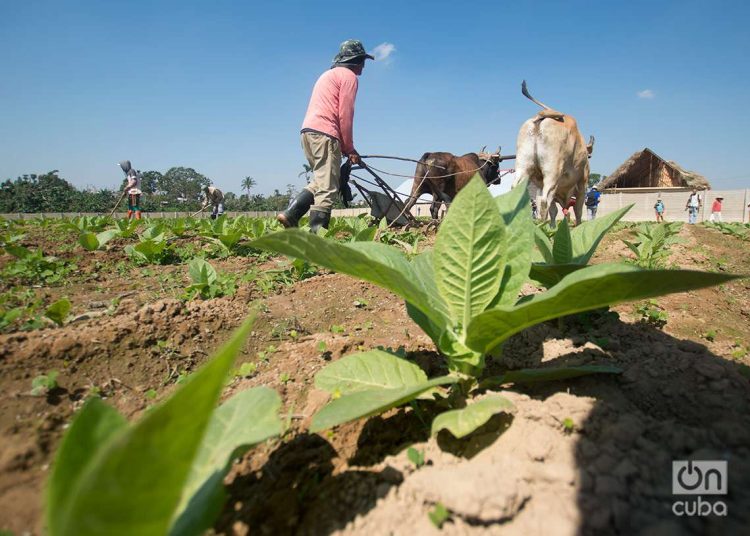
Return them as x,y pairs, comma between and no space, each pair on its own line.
44,383
415,456
58,311
164,473
206,282
439,515
464,295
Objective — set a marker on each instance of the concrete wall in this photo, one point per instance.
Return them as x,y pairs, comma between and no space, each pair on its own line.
734,208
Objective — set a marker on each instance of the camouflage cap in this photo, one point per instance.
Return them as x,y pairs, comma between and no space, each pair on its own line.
351,49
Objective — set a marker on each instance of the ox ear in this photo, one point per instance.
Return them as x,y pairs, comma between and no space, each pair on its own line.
590,146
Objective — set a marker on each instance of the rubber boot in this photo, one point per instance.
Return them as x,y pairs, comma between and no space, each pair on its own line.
319,220
137,214
296,209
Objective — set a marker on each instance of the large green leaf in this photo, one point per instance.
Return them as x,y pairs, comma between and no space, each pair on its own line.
550,275
562,248
88,241
246,419
19,252
378,263
91,428
462,422
589,288
543,244
365,403
468,253
547,374
132,484
424,277
375,369
515,209
585,238
105,236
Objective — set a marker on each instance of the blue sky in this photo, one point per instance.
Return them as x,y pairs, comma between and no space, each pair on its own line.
223,86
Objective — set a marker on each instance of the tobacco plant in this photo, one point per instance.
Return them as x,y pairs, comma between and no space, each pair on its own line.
207,282
652,243
562,251
93,241
465,295
164,473
33,266
151,247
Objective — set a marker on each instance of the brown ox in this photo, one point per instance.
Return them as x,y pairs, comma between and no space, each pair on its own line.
553,155
442,175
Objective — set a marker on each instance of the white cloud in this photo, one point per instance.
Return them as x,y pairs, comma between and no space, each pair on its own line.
646,94
383,52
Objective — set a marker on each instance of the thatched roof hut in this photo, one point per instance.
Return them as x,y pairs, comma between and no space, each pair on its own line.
646,169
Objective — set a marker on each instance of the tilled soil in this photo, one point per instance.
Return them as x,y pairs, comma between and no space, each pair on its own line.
530,471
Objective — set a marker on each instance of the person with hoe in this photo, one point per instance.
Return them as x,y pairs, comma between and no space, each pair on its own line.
692,206
133,189
326,135
215,198
659,209
592,201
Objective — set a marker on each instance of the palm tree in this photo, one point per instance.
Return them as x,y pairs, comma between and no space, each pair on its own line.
248,183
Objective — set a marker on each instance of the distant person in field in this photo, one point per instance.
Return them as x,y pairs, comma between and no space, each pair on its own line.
215,198
659,209
693,205
592,201
716,210
133,189
327,134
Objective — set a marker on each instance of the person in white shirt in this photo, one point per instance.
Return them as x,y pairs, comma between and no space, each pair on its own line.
692,206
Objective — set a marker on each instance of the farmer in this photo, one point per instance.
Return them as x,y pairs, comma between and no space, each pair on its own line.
716,210
659,209
215,198
592,201
327,134
693,205
133,189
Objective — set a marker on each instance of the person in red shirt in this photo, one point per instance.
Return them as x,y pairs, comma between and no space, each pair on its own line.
566,208
716,210
327,134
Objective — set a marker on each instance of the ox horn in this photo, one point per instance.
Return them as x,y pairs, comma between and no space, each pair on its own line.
590,146
499,151
483,149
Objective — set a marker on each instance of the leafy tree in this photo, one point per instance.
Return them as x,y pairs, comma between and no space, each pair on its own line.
307,172
181,184
595,178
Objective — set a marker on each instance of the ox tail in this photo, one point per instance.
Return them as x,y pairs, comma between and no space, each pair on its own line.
525,92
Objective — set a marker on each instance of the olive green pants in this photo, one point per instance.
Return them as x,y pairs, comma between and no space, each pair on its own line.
324,156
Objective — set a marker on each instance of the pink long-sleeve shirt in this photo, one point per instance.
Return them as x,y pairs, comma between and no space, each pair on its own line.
331,108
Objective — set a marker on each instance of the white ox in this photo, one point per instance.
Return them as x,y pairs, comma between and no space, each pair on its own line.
552,154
